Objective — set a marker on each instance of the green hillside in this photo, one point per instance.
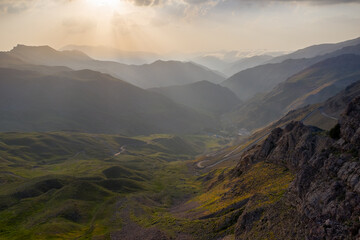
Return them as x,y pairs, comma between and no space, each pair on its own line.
71,185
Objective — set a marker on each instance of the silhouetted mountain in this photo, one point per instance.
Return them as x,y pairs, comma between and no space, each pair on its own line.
263,78
203,96
88,101
314,84
168,73
9,61
213,62
229,63
316,50
157,74
45,54
246,63
113,54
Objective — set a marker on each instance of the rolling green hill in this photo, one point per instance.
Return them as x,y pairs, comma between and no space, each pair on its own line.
73,185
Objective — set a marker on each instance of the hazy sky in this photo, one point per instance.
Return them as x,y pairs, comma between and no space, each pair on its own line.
178,25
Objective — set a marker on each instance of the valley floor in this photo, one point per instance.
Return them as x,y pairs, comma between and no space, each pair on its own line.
65,185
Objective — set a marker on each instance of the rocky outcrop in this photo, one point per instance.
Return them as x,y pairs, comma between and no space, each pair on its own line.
290,147
325,194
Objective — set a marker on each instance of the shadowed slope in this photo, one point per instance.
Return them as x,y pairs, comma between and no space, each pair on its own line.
88,101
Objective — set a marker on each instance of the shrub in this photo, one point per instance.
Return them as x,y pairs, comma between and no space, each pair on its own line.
335,132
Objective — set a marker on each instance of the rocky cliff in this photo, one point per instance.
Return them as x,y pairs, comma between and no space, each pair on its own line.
323,200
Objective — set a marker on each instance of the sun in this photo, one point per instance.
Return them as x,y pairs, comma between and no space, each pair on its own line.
107,3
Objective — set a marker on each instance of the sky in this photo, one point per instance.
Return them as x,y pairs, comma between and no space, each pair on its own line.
165,26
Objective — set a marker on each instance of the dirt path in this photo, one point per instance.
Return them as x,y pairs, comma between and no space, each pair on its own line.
122,150
327,115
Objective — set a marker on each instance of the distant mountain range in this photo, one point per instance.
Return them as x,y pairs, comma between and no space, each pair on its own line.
312,85
230,63
263,78
43,89
157,74
316,50
112,54
236,62
88,101
203,96
246,63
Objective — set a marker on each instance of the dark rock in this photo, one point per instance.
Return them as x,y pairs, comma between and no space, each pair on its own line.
326,188
247,219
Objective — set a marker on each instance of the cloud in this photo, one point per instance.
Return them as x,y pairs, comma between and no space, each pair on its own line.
197,1
203,7
146,2
15,6
290,1
324,1
238,2
18,6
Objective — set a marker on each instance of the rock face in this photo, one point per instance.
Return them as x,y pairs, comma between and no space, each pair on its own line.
323,201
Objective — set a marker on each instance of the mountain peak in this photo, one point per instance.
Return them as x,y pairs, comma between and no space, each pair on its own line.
46,54
22,47
166,62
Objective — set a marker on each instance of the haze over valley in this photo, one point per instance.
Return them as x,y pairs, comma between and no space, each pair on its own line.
179,119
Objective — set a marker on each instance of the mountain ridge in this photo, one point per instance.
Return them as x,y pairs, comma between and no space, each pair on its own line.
31,101
316,50
312,85
144,76
203,96
263,78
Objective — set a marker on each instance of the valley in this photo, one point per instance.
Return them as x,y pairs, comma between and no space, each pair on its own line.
107,144
80,190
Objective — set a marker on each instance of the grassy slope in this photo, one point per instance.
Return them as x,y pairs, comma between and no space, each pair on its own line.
80,191
215,208
68,185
